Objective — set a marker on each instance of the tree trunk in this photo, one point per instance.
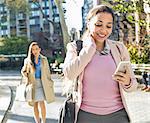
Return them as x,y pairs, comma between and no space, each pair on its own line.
137,27
66,37
147,11
148,24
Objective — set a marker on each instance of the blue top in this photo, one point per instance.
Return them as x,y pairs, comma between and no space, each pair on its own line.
38,68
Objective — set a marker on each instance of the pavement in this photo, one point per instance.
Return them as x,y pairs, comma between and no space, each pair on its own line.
5,100
12,111
138,104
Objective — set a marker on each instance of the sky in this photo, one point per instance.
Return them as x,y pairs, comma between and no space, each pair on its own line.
74,14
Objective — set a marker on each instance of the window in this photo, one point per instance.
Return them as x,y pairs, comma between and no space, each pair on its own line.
35,13
33,6
3,27
4,32
46,11
32,21
45,4
56,19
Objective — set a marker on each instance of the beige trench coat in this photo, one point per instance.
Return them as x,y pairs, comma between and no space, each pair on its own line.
48,85
74,66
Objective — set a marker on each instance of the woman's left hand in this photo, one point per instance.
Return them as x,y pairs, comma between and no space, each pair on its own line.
123,78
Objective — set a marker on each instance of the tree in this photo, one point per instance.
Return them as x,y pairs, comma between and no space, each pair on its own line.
132,13
36,2
66,37
23,6
17,5
146,6
14,45
58,3
140,54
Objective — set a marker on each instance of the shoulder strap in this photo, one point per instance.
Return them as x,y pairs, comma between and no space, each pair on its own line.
74,89
120,53
79,44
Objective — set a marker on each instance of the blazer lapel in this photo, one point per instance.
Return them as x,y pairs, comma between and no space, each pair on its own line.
114,52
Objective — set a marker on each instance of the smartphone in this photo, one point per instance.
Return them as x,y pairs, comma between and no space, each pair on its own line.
122,66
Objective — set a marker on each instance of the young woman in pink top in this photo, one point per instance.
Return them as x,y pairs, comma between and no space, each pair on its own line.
100,93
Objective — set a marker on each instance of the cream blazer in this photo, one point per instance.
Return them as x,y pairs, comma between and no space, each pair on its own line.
74,66
48,85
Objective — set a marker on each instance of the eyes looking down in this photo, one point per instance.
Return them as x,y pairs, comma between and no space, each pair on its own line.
100,26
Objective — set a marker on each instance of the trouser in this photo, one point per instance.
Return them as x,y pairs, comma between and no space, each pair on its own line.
116,117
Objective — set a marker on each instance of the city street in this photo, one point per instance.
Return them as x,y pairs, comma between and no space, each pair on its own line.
20,112
86,37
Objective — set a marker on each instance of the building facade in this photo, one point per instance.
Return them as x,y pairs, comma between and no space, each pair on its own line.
41,23
28,23
88,4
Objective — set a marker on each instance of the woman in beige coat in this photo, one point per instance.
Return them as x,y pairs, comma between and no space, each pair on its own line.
100,97
36,71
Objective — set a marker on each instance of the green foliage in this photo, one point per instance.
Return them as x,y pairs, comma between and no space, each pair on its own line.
14,45
142,23
122,6
130,18
58,57
128,8
140,54
17,5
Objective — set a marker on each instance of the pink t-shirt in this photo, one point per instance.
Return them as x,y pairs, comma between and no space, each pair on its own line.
101,93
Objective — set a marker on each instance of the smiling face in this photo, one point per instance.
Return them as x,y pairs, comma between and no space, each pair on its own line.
36,50
100,26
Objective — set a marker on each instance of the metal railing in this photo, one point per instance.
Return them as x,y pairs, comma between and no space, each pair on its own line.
141,67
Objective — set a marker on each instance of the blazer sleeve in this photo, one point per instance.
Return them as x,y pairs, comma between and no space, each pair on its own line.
73,64
25,71
24,68
133,82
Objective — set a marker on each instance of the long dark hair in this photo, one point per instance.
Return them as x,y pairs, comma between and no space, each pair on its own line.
30,55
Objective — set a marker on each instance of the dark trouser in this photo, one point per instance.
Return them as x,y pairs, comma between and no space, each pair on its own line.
116,117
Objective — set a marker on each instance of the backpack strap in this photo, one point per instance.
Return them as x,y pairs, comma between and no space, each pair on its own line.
79,44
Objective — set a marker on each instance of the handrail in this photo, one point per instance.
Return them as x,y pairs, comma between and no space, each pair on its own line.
13,55
141,67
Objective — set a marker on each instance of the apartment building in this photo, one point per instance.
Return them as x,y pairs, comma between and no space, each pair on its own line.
41,23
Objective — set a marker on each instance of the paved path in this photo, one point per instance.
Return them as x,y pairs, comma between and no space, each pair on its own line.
138,104
5,99
21,112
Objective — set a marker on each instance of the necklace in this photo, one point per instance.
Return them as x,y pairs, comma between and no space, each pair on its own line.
98,52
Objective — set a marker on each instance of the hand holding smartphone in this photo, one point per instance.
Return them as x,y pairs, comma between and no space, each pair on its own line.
122,66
